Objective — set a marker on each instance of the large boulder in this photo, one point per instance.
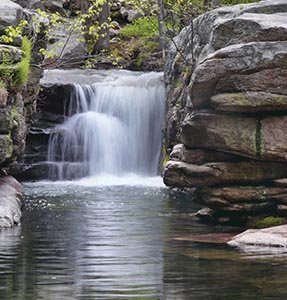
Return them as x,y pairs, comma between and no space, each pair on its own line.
181,174
231,133
256,66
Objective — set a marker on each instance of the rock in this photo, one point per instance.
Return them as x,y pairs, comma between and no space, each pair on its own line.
130,13
249,102
69,49
180,174
10,53
250,27
257,66
249,199
11,201
211,238
281,182
273,138
48,5
230,133
205,214
10,14
268,80
248,22
3,97
200,156
268,237
6,147
262,138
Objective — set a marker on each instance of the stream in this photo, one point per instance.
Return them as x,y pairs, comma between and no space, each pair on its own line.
101,238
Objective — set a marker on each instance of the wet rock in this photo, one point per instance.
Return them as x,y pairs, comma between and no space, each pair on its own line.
181,174
11,201
212,238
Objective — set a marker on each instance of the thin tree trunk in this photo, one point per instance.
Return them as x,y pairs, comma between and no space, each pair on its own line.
103,42
161,26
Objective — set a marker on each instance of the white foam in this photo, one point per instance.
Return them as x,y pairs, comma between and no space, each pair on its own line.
108,180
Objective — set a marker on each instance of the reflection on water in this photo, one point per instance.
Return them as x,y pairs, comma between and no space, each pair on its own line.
118,242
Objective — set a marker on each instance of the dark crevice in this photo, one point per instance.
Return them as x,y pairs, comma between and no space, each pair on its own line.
258,139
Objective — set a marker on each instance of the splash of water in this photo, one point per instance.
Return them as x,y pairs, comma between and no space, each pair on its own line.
112,127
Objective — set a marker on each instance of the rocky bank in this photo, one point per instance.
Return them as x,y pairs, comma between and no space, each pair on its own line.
227,114
17,104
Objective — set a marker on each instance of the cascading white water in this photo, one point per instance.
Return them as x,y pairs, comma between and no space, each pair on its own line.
112,127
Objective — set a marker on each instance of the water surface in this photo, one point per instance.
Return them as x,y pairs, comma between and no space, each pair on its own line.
93,239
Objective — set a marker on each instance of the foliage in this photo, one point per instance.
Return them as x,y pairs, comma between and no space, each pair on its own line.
17,75
10,32
269,221
144,27
2,85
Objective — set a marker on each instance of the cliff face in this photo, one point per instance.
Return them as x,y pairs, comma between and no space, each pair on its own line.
17,101
229,114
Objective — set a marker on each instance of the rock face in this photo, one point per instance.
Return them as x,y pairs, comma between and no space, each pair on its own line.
229,114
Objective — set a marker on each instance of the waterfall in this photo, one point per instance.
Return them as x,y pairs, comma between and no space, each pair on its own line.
112,127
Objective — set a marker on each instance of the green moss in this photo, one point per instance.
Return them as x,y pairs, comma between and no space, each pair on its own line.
23,68
2,85
165,156
17,74
269,222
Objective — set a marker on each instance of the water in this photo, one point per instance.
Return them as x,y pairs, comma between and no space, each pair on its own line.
112,127
119,233
87,240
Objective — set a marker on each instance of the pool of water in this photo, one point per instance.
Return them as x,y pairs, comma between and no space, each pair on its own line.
104,240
